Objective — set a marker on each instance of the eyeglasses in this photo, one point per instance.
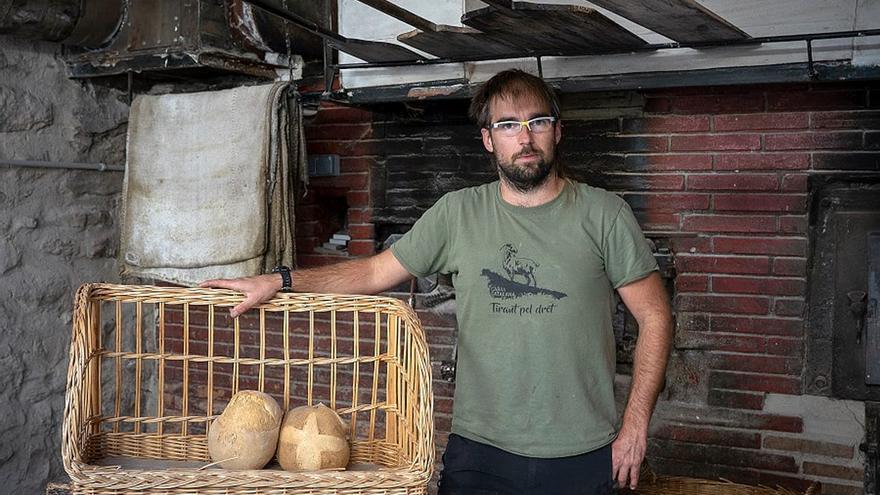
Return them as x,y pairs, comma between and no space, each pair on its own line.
511,128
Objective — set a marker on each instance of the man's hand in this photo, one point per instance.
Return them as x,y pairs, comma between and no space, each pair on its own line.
627,454
257,289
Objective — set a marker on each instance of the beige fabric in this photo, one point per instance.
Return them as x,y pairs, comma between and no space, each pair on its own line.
209,183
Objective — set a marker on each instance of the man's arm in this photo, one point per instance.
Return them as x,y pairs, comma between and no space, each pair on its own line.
371,275
647,300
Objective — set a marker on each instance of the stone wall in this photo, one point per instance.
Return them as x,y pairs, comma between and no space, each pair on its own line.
57,231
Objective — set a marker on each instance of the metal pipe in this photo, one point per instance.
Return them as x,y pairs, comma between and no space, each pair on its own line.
646,48
88,23
101,167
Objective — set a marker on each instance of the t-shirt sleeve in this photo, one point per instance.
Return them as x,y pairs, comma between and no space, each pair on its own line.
425,249
628,256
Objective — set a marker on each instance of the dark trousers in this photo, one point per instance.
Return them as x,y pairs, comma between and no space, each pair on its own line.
474,468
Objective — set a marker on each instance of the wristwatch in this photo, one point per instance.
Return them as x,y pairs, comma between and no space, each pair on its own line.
286,279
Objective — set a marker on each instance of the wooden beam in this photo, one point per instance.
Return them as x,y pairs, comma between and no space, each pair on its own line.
552,29
442,40
374,51
685,21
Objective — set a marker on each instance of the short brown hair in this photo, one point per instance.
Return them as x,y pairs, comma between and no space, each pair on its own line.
511,83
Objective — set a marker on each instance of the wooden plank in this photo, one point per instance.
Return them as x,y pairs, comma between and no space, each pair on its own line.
453,42
440,39
685,21
552,29
374,51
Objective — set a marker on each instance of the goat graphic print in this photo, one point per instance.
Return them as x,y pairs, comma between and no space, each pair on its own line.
518,276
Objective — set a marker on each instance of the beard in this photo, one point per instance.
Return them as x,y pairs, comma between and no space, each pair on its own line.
525,177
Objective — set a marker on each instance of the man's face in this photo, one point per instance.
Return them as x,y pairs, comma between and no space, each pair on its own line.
526,159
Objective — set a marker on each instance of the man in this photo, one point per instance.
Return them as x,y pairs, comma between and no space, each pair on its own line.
535,258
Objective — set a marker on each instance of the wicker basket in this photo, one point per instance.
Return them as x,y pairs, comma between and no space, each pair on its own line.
653,484
150,367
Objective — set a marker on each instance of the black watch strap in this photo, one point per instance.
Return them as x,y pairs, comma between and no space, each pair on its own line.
286,279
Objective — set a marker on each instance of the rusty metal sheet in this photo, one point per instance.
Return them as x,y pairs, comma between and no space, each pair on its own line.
685,21
156,24
99,20
552,29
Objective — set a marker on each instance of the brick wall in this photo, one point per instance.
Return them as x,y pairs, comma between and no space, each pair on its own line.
720,175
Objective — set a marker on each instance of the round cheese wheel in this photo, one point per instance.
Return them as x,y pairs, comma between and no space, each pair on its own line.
312,438
245,435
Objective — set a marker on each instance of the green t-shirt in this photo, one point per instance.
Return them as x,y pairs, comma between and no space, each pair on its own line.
534,299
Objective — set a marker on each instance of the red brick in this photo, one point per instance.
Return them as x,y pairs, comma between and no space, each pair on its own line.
711,436
362,232
307,212
357,199
355,181
362,215
315,260
723,304
690,244
345,148
760,202
761,121
760,245
816,100
834,471
662,182
668,162
658,220
657,105
835,489
759,383
759,285
773,422
729,223
751,265
725,455
667,201
341,114
793,225
762,161
846,120
779,346
308,229
794,182
443,405
339,131
788,307
691,322
789,266
777,365
715,142
691,283
760,326
735,399
667,124
361,247
733,182
349,165
713,104
719,342
806,446
813,141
